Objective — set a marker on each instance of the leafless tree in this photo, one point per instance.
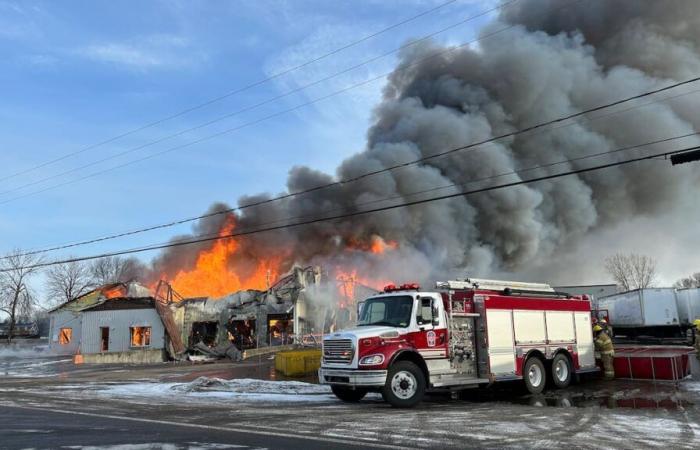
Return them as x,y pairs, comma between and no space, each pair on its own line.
631,271
16,300
113,269
64,282
693,281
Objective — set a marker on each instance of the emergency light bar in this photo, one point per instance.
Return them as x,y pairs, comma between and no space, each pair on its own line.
493,285
403,287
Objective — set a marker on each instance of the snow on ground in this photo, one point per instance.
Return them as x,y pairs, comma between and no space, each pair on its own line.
24,362
691,386
244,389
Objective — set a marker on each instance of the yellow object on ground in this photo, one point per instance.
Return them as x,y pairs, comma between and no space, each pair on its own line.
297,363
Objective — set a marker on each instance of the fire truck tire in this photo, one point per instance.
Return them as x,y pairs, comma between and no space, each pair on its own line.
561,371
405,385
348,395
534,375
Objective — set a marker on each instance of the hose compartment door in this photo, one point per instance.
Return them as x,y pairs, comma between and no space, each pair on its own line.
501,346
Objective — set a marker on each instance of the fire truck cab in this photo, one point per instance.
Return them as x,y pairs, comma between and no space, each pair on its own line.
466,333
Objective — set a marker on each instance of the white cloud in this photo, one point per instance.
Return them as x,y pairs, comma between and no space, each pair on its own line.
18,22
146,53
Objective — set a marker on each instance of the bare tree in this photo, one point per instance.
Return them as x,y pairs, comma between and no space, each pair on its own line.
631,271
693,281
16,300
64,282
113,269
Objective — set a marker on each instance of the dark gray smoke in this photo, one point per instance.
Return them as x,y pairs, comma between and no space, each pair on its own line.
561,57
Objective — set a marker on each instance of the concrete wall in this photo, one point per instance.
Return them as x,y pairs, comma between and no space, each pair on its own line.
119,322
65,319
147,356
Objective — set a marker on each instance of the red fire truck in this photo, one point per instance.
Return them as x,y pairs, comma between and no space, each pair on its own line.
467,333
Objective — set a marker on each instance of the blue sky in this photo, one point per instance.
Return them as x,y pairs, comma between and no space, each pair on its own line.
75,73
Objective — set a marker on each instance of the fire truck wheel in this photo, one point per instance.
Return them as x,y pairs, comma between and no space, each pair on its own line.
405,385
348,395
534,375
561,371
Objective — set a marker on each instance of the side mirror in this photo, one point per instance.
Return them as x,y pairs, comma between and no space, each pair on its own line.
436,315
360,308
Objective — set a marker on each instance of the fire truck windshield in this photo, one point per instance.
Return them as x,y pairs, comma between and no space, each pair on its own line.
394,311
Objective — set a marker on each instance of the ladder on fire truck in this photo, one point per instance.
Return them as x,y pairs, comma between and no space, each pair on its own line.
495,285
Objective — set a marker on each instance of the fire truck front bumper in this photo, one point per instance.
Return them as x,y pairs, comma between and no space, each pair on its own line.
352,377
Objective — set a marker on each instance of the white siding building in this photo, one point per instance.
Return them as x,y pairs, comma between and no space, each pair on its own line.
104,330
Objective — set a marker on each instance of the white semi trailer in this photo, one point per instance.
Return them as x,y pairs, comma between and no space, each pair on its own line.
655,312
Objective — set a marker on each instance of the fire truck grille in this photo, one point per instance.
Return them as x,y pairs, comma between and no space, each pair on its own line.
338,351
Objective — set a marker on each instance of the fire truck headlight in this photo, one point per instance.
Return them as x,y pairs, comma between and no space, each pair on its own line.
372,360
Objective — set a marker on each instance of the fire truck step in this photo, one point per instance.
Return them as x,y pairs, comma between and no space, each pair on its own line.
451,380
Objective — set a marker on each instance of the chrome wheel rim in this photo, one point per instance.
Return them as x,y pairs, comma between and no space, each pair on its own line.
535,375
404,385
561,370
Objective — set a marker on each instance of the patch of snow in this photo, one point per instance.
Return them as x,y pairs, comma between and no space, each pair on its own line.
691,386
241,389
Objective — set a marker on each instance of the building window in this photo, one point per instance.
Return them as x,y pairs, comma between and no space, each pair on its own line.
65,335
140,336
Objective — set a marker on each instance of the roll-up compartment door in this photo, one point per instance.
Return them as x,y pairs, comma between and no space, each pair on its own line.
500,336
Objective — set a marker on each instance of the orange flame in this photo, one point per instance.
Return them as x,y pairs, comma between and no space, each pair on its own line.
376,245
348,281
114,291
212,275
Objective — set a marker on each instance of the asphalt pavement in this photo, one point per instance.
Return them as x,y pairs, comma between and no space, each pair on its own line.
37,428
47,402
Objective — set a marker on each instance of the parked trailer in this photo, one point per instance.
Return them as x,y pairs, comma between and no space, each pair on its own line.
466,334
688,301
644,312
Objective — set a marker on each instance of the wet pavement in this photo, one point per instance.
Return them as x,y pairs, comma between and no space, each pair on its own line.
627,414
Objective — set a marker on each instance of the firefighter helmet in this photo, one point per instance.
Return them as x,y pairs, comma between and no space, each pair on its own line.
697,323
597,328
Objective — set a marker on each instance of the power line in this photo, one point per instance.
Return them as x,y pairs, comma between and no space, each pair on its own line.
231,93
243,110
540,125
369,211
475,180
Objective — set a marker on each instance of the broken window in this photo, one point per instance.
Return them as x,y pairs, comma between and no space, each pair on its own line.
65,335
280,328
204,332
140,336
242,333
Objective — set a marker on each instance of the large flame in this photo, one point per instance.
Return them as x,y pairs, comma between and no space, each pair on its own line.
213,276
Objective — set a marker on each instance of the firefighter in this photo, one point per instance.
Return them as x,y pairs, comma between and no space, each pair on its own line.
696,342
604,346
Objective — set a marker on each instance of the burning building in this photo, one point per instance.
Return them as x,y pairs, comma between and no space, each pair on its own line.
299,304
120,322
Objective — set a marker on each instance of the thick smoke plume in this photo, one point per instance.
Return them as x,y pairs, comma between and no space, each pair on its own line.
560,57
